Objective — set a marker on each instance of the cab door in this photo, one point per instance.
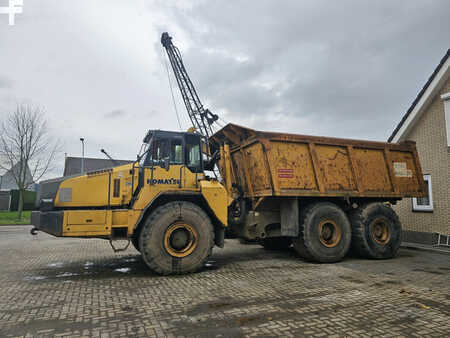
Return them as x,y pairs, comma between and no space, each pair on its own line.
193,171
166,163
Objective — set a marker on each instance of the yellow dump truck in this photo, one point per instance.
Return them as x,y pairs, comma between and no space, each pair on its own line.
319,194
322,195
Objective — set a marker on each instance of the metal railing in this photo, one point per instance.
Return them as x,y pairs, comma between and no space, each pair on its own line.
443,240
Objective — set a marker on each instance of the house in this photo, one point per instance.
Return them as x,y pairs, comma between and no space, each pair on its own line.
7,181
72,165
8,184
427,122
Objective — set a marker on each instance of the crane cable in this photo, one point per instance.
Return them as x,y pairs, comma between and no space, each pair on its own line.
171,91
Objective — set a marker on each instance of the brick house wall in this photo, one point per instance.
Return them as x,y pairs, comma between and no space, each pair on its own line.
430,134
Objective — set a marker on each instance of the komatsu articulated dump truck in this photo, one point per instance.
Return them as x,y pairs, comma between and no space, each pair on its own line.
320,195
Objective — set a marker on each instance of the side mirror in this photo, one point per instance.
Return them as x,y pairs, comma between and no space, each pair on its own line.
167,163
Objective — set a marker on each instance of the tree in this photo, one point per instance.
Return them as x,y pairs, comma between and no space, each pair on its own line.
27,150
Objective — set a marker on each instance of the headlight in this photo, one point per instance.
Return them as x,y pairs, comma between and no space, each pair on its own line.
46,204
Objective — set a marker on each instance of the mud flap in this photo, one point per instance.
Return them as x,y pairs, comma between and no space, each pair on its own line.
219,237
289,214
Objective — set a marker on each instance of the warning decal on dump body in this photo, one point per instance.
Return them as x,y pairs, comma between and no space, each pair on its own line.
401,170
285,173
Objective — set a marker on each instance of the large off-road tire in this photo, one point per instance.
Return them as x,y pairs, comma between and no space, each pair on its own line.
324,233
376,231
176,238
276,243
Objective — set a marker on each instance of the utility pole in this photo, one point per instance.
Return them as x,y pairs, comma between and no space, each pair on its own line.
82,154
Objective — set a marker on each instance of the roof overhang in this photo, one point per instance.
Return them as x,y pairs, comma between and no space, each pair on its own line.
431,88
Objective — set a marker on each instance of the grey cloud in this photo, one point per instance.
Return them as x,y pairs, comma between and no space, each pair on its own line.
5,82
116,113
350,67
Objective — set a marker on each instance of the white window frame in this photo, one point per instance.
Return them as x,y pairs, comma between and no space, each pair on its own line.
446,98
429,207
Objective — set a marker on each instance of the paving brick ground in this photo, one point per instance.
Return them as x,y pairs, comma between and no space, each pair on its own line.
70,287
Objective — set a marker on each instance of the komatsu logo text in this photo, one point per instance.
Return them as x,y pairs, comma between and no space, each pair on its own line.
164,181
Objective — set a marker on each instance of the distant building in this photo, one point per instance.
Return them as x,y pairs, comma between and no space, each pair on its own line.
427,122
72,165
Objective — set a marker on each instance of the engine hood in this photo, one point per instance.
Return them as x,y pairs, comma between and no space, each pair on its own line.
48,189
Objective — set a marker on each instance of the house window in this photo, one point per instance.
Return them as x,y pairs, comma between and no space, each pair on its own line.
424,203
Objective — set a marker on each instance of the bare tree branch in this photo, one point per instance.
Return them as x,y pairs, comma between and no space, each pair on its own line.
27,150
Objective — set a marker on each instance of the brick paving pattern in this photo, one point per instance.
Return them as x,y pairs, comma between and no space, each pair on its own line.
52,287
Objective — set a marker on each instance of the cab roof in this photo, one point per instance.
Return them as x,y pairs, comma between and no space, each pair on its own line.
165,134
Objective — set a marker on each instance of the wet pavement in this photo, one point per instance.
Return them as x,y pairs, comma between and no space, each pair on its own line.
73,287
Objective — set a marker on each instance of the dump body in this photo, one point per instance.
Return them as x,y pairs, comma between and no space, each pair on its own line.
274,164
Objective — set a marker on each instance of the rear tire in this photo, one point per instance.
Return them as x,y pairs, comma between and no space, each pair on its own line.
376,231
324,233
276,243
177,238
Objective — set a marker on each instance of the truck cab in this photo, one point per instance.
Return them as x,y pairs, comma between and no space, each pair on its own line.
164,189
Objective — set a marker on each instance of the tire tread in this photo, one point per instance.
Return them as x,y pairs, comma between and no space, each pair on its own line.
146,233
303,245
358,219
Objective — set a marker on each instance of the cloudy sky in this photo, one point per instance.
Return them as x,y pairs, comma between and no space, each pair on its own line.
334,68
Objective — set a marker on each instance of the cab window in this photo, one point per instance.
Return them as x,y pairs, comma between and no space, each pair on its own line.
176,151
162,149
159,150
193,154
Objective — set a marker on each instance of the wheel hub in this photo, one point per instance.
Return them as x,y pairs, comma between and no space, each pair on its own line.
180,239
330,233
380,231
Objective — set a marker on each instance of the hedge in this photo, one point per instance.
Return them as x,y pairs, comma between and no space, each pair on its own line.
29,199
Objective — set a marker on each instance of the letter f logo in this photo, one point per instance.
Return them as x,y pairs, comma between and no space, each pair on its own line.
15,7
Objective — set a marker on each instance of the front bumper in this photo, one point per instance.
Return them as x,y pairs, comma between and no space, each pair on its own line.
50,222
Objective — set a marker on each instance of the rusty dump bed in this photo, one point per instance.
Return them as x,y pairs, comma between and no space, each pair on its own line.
275,164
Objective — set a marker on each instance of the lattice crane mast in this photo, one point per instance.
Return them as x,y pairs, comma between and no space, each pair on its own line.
202,119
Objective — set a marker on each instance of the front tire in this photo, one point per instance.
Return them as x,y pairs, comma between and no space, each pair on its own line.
376,231
177,238
324,233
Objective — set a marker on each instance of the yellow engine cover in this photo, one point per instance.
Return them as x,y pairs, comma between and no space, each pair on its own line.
107,187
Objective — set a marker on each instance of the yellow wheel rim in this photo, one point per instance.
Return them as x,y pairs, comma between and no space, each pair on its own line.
180,239
330,233
380,232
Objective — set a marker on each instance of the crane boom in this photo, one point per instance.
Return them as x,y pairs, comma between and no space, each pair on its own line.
202,119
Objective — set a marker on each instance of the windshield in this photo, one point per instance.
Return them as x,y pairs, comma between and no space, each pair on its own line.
161,149
158,151
142,153
177,149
